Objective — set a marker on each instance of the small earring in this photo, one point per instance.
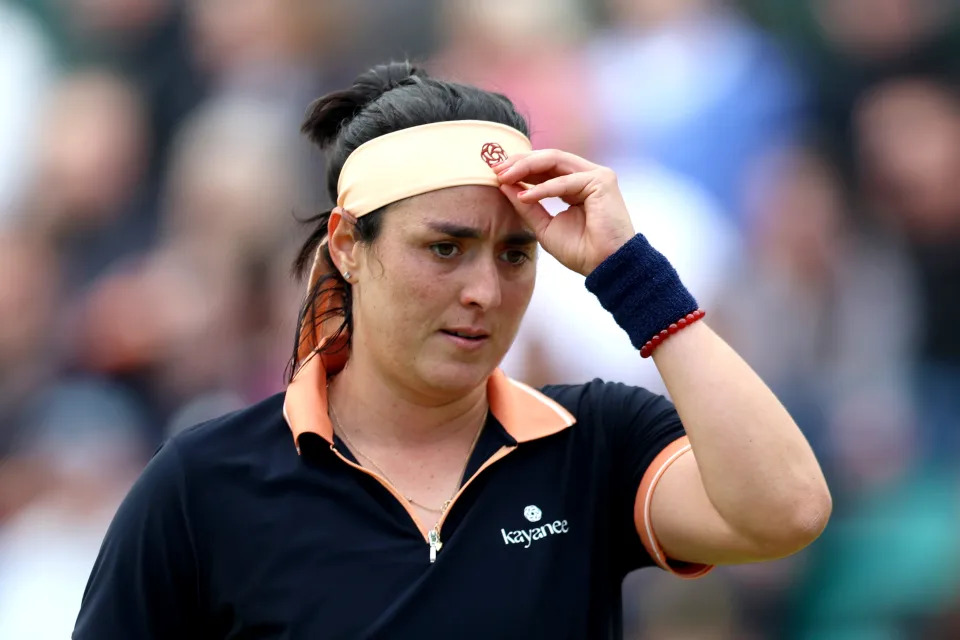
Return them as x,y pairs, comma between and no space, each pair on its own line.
346,275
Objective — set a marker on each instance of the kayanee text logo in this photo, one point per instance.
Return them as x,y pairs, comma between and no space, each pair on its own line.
527,537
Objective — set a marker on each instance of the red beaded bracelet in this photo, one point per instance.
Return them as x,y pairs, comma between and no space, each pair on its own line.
647,349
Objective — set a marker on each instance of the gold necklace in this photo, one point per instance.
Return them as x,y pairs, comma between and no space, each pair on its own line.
356,450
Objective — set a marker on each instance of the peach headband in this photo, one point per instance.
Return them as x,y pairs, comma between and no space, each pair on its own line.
426,158
407,163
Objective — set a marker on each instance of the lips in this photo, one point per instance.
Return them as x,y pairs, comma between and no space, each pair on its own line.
466,333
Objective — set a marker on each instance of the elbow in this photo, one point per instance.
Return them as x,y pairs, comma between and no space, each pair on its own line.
811,517
801,523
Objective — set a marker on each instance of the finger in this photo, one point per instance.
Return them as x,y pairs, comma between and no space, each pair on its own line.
506,164
510,161
532,213
572,189
533,178
549,162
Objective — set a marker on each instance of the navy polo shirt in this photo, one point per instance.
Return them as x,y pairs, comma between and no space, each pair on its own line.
233,532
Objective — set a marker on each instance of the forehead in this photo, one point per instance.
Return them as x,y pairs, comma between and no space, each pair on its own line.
483,208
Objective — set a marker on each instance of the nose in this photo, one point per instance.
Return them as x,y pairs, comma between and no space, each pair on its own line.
481,286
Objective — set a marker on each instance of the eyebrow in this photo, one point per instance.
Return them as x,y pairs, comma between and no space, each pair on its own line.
518,238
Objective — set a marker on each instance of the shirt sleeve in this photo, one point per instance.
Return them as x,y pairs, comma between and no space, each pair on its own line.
144,583
646,436
641,511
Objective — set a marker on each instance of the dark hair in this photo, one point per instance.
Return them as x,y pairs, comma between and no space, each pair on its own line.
387,98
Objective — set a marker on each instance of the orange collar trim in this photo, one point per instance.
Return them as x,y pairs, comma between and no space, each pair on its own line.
524,412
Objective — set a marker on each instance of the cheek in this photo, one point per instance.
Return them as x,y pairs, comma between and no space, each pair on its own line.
412,284
403,293
521,289
516,296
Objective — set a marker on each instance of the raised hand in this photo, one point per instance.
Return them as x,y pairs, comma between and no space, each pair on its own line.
595,224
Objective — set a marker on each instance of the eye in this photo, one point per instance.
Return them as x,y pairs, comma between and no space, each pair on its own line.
515,257
444,249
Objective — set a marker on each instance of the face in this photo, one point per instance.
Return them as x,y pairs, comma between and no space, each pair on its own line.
439,295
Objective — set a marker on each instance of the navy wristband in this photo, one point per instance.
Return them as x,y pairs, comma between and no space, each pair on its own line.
642,290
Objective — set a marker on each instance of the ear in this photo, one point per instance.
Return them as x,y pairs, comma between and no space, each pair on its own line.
344,247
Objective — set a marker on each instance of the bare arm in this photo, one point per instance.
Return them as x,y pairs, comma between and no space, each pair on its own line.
751,489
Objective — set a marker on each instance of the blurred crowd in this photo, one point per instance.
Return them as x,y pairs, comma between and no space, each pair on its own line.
797,160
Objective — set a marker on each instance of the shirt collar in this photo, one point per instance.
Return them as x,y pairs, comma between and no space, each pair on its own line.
525,413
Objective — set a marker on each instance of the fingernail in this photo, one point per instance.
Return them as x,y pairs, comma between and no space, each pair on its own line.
520,194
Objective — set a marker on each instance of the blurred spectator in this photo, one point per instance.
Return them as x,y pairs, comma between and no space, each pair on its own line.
907,132
520,49
896,28
813,300
822,309
233,183
29,294
273,55
694,86
234,188
848,46
29,319
25,73
370,32
240,41
88,193
908,144
143,41
228,208
85,437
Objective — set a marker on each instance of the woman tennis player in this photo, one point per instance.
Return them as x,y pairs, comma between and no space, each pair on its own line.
402,486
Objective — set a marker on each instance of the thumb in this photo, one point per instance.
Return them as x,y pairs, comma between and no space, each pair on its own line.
532,213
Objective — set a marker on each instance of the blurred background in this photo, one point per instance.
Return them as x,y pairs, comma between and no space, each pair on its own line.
797,160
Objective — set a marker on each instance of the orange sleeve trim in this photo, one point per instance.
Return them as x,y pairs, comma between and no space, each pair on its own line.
641,511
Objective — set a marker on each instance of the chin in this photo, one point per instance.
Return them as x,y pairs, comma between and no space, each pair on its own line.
456,377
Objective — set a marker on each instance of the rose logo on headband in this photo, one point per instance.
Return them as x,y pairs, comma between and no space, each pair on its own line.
492,153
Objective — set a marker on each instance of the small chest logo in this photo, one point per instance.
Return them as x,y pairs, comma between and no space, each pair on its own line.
527,537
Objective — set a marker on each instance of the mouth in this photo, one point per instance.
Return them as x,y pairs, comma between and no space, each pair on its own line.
466,334
467,338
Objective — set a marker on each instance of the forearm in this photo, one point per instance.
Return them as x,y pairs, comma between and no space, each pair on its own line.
758,470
